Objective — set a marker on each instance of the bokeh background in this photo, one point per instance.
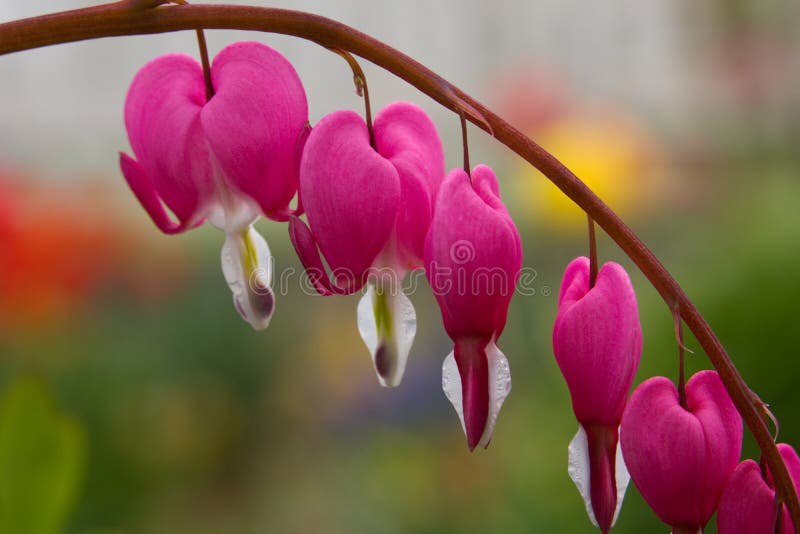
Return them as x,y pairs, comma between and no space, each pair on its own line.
134,400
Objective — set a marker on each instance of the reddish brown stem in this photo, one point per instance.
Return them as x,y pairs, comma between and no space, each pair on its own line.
201,44
676,318
360,81
465,142
201,41
123,18
592,253
602,441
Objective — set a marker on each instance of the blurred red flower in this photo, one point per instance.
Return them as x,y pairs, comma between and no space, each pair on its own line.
59,245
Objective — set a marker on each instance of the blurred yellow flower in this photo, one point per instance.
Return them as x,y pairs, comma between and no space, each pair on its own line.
610,154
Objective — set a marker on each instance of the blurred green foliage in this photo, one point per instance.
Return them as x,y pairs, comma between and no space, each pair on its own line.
42,461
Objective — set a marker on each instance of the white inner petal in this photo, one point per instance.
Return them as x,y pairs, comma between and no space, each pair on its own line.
247,266
579,471
231,211
499,387
622,478
387,323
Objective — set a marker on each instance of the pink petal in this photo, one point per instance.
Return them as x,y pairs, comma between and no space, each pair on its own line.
253,122
306,247
299,147
144,190
575,283
680,459
350,195
602,445
708,400
748,505
406,136
485,183
162,116
473,367
792,462
472,256
597,341
664,450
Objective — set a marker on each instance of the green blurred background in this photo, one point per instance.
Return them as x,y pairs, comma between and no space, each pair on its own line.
134,400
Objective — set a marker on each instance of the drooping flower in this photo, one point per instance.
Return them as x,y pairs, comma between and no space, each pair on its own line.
369,209
597,341
680,458
473,257
747,505
228,159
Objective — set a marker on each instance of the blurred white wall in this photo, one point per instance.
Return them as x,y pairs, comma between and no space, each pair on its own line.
62,106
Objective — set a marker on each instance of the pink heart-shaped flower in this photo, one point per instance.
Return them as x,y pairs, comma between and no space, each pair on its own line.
679,457
747,505
473,258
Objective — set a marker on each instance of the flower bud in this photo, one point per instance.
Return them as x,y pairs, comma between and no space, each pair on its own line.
473,258
597,341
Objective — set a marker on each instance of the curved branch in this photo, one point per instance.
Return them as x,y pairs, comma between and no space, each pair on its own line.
125,18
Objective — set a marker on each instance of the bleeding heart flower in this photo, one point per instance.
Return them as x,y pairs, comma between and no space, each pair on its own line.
473,257
369,209
227,159
680,457
597,341
747,505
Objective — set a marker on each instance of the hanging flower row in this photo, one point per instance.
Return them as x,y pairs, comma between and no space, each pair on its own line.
680,446
378,204
376,199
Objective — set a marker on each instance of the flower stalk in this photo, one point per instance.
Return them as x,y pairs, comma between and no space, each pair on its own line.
681,358
201,44
592,253
464,141
125,18
360,81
